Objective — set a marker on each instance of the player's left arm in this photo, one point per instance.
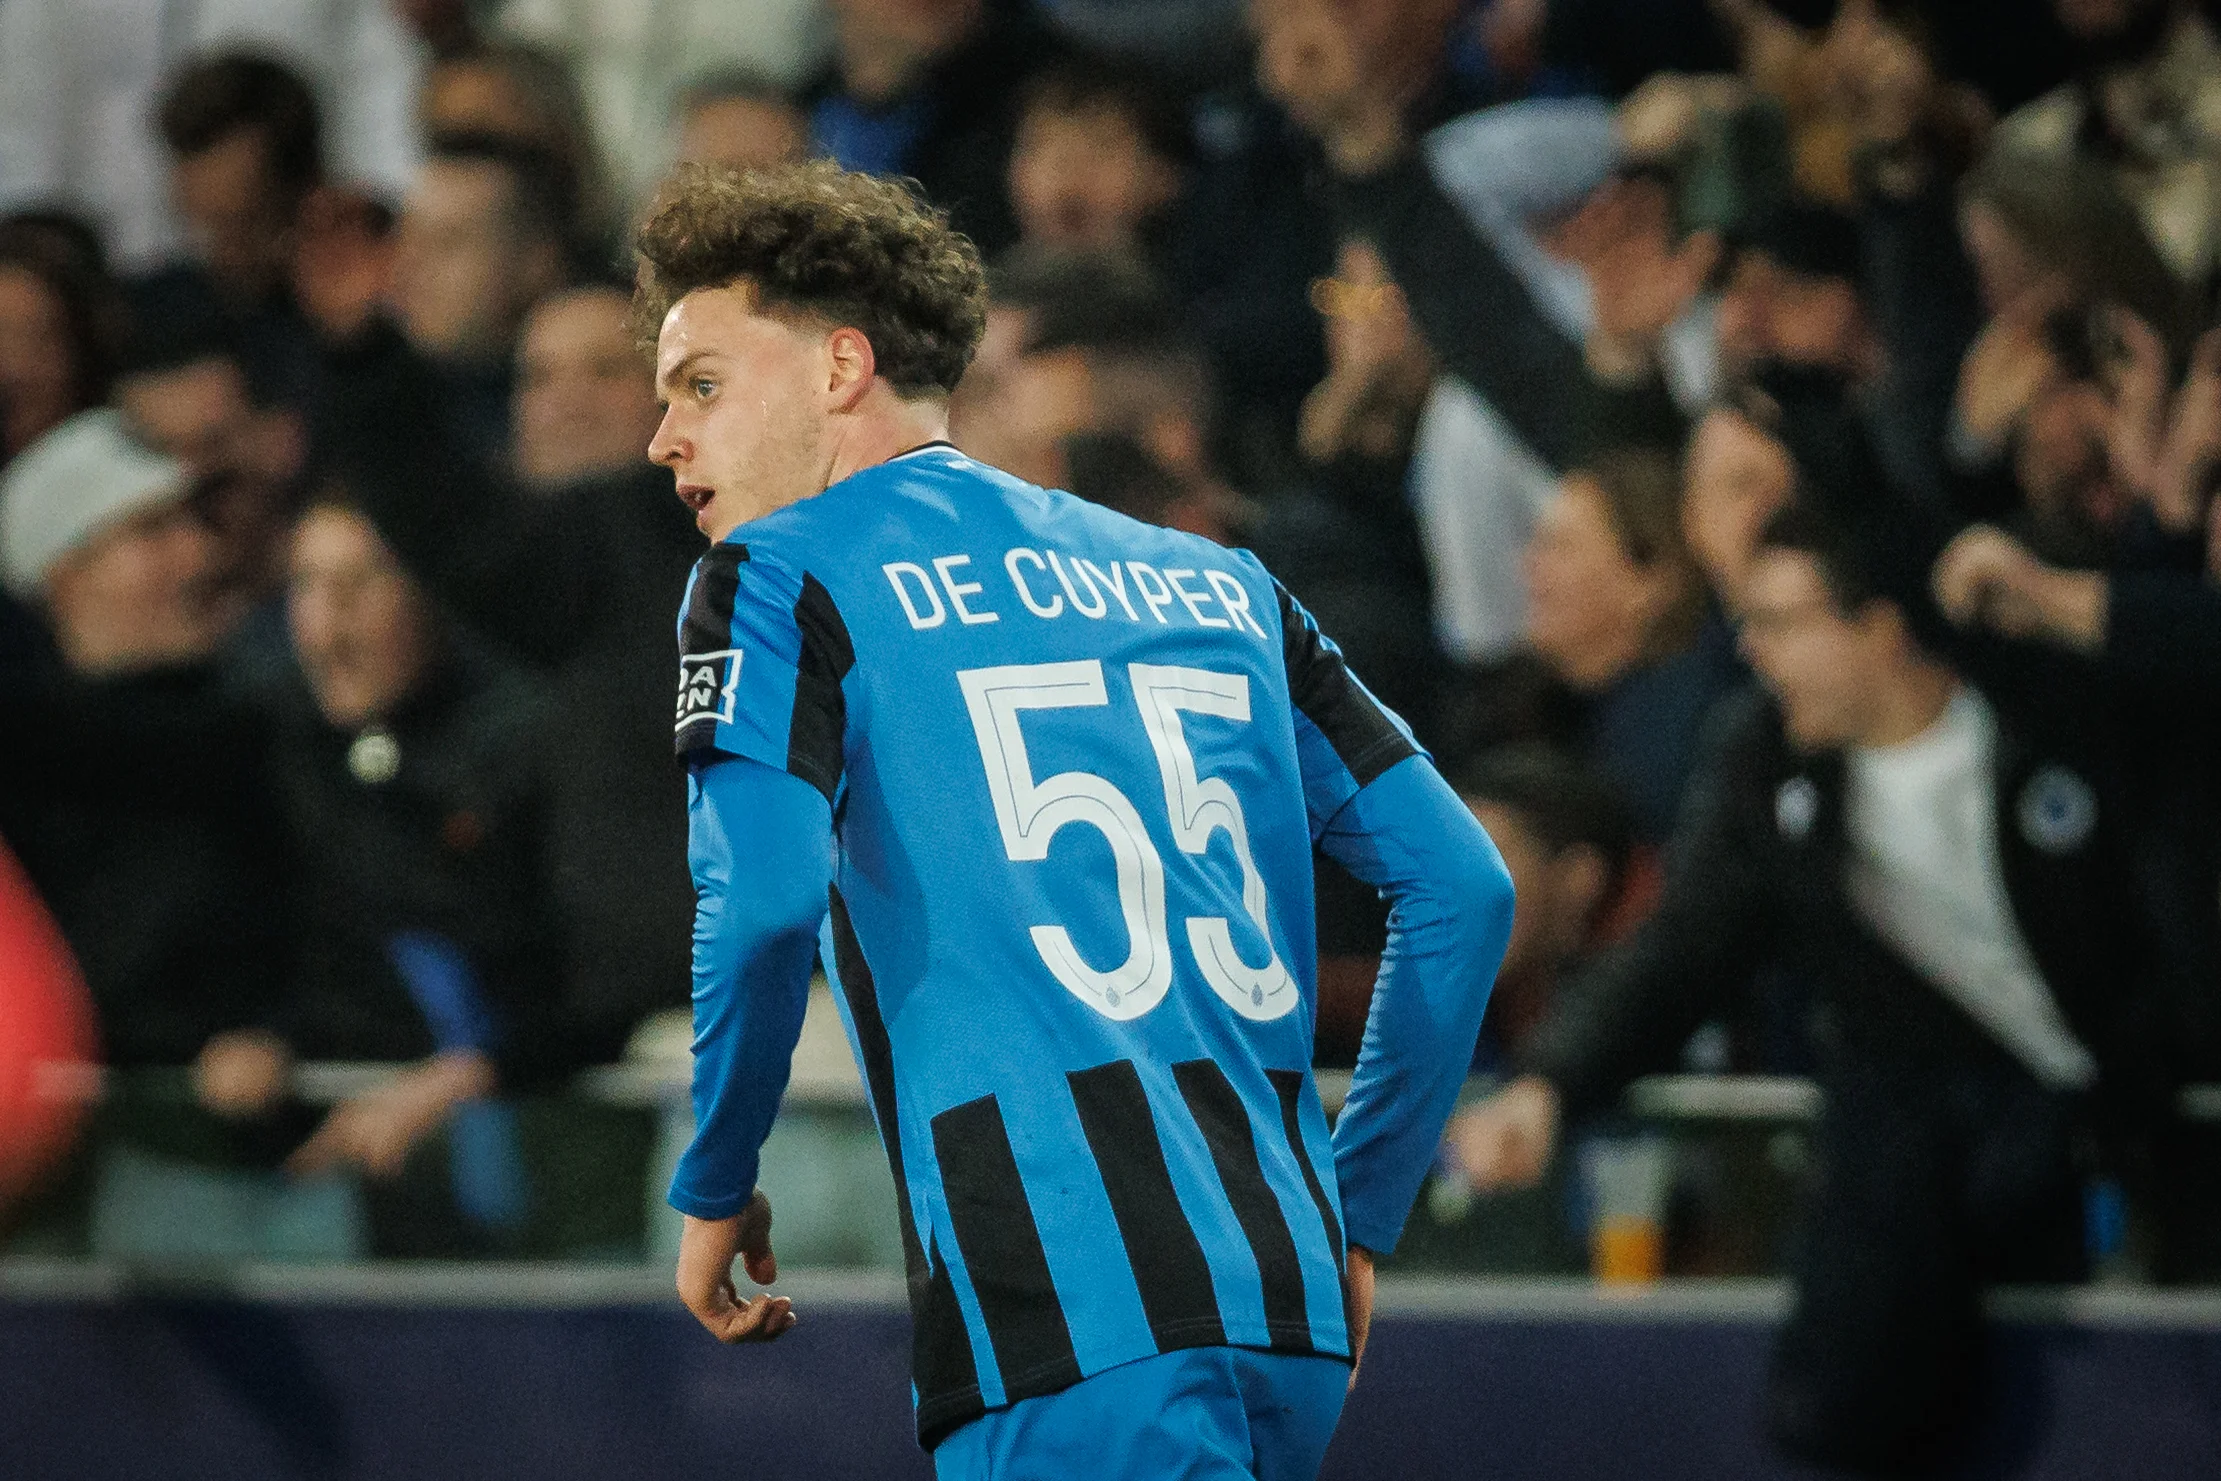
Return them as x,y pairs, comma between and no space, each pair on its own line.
760,842
1408,835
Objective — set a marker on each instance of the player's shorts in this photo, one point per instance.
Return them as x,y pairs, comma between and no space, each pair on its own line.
1200,1414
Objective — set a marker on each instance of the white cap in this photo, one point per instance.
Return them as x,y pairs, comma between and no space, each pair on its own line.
71,484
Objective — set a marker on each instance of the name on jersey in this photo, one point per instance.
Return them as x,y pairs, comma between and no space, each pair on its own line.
1052,585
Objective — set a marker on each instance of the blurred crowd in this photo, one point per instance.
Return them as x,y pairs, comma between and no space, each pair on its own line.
1765,447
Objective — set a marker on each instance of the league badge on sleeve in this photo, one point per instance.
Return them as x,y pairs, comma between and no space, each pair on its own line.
708,686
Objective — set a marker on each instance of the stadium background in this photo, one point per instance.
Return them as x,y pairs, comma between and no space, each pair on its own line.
333,663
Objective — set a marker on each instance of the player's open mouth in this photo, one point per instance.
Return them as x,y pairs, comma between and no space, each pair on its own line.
695,496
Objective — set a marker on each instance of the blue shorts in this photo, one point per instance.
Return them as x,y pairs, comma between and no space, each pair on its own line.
1199,1414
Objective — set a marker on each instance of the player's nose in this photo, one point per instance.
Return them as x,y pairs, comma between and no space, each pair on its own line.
667,446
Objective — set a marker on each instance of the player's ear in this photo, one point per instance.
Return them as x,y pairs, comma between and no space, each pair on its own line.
850,366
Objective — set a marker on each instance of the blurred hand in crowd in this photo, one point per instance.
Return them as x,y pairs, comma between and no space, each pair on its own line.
1379,370
1985,577
743,131
585,401
1735,475
376,1131
1507,1140
2164,445
243,1073
1642,275
362,630
2009,365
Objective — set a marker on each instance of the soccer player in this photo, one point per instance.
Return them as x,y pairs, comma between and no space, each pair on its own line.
1042,783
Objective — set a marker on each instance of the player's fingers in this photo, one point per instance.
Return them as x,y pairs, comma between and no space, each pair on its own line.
757,1320
761,1264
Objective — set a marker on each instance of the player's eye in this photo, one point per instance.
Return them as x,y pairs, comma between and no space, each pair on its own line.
702,386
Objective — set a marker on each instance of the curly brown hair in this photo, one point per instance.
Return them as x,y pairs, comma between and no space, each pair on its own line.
841,248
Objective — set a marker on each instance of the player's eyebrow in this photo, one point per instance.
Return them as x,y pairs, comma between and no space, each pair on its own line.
676,375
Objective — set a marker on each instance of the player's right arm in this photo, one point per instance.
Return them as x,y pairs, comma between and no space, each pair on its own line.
760,843
760,725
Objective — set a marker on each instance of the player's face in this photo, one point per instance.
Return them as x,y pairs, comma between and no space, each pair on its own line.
746,400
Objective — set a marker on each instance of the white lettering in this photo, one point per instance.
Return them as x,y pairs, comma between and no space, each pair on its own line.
942,565
1115,582
1159,599
1234,597
896,570
1191,598
1101,607
1054,607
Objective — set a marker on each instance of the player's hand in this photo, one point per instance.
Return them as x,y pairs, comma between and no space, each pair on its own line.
1359,1268
707,1249
1507,1140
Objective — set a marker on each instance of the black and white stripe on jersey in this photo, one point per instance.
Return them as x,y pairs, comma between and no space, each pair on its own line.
817,729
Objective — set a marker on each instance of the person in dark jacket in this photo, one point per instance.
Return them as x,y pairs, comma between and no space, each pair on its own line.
406,771
579,583
1947,866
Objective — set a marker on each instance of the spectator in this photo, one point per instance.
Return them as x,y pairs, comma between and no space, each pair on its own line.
1617,609
1566,838
585,404
741,120
1972,990
481,240
2148,85
930,89
184,393
407,773
78,85
131,781
60,323
1736,476
525,96
1099,161
246,154
581,584
627,64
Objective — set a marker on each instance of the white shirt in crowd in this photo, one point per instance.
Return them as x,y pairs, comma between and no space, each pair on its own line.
1925,874
80,81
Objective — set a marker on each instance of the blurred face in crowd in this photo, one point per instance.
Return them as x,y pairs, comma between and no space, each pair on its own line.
585,404
746,400
236,217
743,133
360,628
463,274
1823,665
1555,895
885,43
466,96
1086,179
2091,19
1592,610
38,369
1771,313
243,458
144,590
1013,410
1736,475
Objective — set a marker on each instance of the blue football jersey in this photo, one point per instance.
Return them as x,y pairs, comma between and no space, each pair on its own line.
1076,764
